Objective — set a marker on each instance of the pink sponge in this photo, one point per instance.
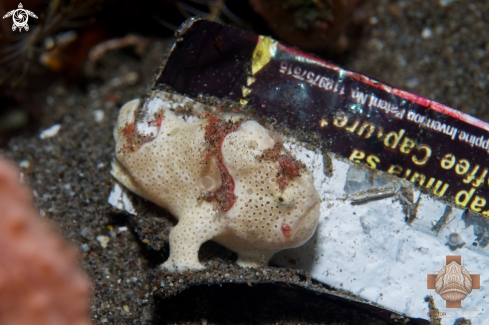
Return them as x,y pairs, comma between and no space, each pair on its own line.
40,279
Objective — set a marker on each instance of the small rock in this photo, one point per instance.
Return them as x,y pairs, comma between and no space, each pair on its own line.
373,20
51,132
412,82
426,33
455,239
98,115
24,164
104,240
87,233
132,77
444,3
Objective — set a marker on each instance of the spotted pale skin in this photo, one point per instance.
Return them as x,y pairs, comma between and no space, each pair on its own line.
170,169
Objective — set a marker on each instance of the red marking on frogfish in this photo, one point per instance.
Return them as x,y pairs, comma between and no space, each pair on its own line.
129,130
159,119
289,166
134,139
286,230
225,195
215,133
